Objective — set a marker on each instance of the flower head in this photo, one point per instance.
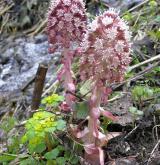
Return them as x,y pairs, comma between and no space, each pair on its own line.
105,49
66,23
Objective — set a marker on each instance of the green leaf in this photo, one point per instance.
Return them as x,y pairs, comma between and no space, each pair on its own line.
51,162
135,111
82,109
61,124
42,115
53,100
24,139
29,161
60,161
157,19
132,110
85,88
60,148
38,148
7,158
74,160
51,129
52,154
140,113
30,134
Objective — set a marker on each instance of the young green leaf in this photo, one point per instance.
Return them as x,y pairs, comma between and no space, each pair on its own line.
82,109
52,154
61,124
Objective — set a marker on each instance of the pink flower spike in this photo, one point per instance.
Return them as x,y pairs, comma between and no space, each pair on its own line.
105,49
66,22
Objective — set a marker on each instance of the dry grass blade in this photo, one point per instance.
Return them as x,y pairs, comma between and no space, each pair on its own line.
6,9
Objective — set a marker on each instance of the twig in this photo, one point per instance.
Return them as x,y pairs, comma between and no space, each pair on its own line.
155,58
6,9
41,26
151,155
39,83
137,6
30,81
116,97
131,132
50,88
139,75
53,85
155,128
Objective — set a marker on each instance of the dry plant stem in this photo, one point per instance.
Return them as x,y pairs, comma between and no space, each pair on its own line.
47,91
154,129
4,23
39,83
154,149
6,9
131,132
39,28
53,86
155,58
135,7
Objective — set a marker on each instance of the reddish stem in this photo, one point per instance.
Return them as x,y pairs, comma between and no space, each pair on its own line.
68,80
93,125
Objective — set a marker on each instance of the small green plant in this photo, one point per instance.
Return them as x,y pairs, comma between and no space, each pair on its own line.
141,93
12,140
135,113
42,140
53,100
38,128
10,143
8,124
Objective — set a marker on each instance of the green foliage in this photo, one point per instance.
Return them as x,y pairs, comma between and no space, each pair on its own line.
12,136
8,124
135,111
13,144
37,129
154,34
82,109
41,141
128,16
140,93
153,4
105,122
7,157
53,154
52,100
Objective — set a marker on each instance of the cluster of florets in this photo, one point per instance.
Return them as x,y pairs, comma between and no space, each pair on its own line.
105,49
66,22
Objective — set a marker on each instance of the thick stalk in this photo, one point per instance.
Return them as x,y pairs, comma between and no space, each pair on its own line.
68,80
93,125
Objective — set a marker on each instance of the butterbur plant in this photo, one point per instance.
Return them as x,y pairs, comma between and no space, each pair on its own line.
66,26
104,49
104,59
